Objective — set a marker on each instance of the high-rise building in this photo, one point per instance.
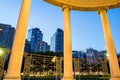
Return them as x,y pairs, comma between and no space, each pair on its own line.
48,48
103,54
82,55
7,33
79,54
35,37
43,46
27,46
57,41
92,55
53,43
75,54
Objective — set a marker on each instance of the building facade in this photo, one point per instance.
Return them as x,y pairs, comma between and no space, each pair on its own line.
44,47
35,37
92,55
27,46
53,43
7,33
103,54
57,41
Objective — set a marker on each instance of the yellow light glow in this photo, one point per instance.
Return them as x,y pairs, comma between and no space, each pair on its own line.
54,58
107,55
1,29
2,52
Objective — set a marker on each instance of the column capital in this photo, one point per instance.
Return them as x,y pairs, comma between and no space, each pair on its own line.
102,8
66,6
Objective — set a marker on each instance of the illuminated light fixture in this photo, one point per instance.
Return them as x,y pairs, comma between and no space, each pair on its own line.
107,55
54,58
1,29
2,52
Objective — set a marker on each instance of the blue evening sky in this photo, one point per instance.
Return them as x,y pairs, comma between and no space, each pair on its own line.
86,26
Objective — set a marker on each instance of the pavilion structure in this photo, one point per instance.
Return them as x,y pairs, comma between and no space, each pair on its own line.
102,6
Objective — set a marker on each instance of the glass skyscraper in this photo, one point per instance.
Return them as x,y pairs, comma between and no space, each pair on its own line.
7,33
35,37
53,43
57,41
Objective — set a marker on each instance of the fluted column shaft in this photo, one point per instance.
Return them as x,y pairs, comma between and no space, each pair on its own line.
67,45
113,61
15,63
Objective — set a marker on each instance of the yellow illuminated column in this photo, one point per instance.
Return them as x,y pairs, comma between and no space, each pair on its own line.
14,68
67,45
113,61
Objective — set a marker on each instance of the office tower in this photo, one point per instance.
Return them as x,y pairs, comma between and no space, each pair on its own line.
53,43
75,54
79,54
103,54
57,41
7,33
27,46
35,36
92,55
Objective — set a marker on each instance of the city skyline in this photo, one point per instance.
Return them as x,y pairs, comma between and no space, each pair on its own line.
86,26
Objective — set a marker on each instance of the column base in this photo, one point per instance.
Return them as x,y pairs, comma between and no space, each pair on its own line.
68,78
12,78
115,78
